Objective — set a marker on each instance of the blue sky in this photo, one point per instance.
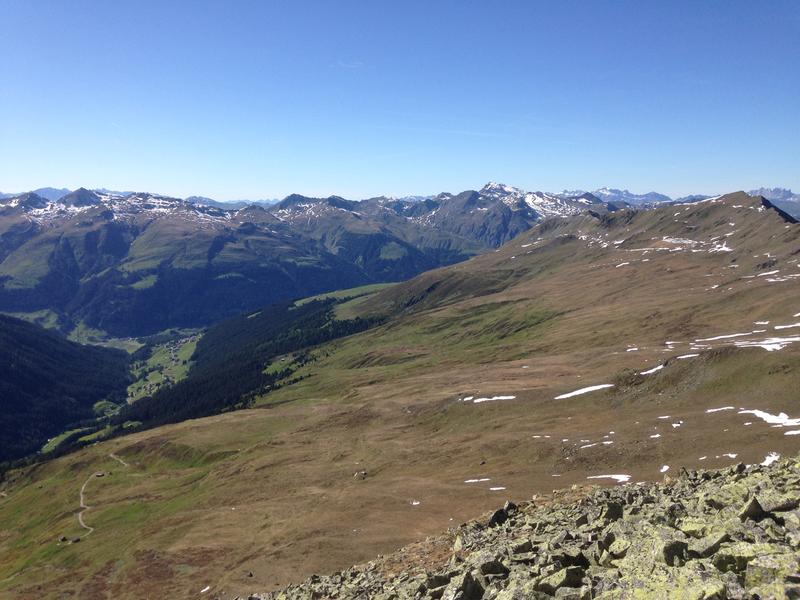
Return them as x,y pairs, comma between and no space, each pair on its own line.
261,99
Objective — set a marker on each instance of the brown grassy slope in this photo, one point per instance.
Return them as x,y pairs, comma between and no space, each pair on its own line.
272,491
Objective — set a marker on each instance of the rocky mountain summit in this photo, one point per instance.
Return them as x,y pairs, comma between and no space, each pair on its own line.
726,534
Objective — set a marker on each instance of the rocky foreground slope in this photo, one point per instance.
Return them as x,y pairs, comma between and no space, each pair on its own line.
729,534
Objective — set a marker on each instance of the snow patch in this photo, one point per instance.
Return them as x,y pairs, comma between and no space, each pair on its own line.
492,399
619,478
769,344
780,420
585,390
723,337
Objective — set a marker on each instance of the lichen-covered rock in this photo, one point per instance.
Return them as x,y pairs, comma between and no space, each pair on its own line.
708,545
768,575
692,582
736,556
569,577
463,587
772,501
752,510
488,562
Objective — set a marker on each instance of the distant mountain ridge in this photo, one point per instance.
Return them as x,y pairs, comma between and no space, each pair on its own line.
134,263
229,204
773,194
604,193
783,198
112,260
46,192
624,196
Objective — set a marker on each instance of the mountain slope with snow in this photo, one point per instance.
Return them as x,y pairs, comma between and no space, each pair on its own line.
110,259
605,348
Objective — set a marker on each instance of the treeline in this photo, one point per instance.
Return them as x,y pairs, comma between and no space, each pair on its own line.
48,383
231,359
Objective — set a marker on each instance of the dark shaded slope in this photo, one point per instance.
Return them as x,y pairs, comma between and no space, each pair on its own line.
48,382
137,276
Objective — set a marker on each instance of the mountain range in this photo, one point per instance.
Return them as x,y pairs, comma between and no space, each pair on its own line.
604,193
107,261
603,344
602,347
136,263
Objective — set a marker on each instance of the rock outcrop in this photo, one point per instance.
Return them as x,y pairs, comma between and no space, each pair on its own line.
729,534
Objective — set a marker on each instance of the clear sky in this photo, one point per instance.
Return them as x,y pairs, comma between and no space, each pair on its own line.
235,99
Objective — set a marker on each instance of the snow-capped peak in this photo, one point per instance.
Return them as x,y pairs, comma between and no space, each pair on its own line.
494,188
542,203
83,202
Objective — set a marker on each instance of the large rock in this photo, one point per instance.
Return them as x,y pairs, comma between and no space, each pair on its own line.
769,575
736,556
488,562
690,582
708,545
569,577
612,511
752,510
463,587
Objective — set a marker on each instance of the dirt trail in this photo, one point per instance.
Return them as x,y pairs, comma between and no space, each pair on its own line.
84,507
119,460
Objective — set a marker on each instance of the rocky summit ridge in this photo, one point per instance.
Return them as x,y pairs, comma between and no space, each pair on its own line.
724,534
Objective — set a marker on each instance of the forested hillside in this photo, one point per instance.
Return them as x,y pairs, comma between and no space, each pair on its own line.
48,383
233,360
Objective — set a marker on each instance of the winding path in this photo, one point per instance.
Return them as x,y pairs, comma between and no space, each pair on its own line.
84,507
119,460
